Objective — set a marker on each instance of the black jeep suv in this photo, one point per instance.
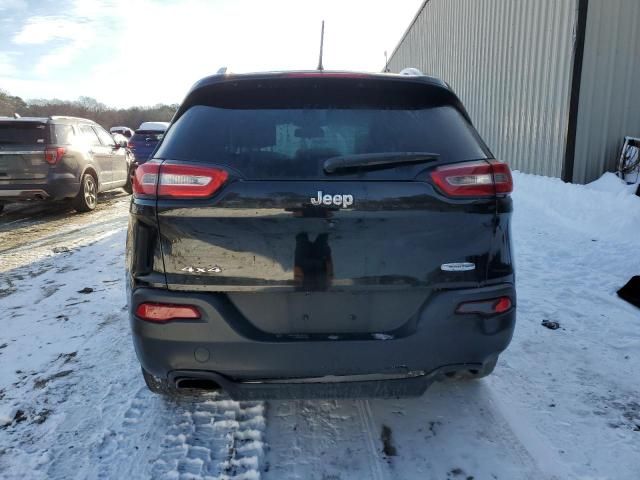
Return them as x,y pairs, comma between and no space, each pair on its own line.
59,157
314,234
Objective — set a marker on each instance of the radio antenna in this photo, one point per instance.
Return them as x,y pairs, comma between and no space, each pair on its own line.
320,67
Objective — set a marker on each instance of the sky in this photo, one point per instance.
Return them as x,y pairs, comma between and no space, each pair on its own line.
143,52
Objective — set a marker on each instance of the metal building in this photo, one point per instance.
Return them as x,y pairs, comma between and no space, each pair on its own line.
553,86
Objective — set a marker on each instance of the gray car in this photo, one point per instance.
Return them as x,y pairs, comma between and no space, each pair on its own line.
53,158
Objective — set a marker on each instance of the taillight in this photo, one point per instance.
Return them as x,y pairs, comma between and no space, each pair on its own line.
52,155
501,177
491,306
321,74
166,312
473,179
188,181
145,181
177,181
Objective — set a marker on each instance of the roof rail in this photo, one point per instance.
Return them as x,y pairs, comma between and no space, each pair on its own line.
411,71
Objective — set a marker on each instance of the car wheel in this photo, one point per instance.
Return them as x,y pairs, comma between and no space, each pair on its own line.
87,197
128,187
1,207
157,385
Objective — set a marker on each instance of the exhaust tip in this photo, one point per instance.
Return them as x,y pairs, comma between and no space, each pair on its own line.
197,384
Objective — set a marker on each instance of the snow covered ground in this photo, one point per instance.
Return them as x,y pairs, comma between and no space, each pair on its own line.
562,404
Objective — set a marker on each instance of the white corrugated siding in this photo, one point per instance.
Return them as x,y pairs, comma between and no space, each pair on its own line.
610,88
510,63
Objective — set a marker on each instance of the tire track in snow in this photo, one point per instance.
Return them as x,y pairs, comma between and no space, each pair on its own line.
213,437
154,437
502,430
25,241
323,439
369,428
455,429
103,422
126,448
527,443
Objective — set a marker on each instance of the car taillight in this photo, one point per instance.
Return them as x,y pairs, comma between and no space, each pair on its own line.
52,155
177,181
491,306
166,312
474,179
321,74
145,181
188,181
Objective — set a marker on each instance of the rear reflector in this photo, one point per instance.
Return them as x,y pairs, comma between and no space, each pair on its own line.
52,155
486,307
177,181
165,312
473,179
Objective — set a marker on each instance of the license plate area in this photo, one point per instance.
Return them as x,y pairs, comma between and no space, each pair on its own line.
328,313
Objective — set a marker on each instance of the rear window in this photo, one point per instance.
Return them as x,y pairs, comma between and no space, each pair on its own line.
147,136
23,133
294,142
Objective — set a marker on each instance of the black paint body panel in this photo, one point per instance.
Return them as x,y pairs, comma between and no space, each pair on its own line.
289,289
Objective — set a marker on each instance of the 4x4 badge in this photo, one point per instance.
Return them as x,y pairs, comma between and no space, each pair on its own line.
340,200
214,269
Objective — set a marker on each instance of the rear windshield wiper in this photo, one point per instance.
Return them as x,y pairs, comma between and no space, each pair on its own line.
376,160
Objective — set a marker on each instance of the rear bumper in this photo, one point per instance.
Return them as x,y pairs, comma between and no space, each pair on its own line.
61,186
251,364
355,386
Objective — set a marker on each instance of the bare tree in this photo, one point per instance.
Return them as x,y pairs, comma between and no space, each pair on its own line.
86,107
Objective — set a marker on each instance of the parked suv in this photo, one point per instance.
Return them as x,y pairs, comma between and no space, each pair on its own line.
320,234
52,158
146,139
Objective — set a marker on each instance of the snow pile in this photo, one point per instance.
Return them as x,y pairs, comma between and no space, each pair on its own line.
7,414
607,208
610,182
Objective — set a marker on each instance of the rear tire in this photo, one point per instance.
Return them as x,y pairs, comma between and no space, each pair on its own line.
1,207
87,198
128,187
156,384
